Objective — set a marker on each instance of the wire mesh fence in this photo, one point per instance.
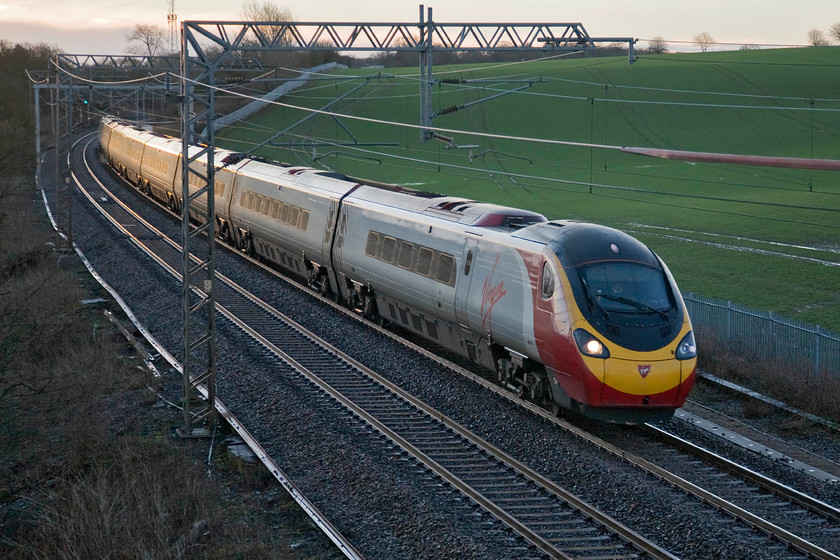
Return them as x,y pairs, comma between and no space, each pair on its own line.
763,335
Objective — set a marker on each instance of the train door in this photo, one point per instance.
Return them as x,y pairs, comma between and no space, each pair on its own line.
337,257
464,281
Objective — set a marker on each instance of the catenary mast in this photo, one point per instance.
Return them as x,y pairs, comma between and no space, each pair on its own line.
172,18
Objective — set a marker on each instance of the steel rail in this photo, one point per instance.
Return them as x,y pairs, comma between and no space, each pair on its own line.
769,528
619,530
320,521
796,542
818,506
624,532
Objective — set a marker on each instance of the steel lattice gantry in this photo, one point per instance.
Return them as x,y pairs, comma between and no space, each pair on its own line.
119,78
72,81
207,46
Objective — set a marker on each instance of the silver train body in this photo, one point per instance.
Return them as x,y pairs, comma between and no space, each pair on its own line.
494,284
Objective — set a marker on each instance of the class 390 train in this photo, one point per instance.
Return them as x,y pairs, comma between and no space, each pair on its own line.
570,315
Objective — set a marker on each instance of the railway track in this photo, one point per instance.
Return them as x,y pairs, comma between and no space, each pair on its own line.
551,519
806,524
794,519
463,460
130,224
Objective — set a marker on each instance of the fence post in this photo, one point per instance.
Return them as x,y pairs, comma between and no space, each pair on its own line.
729,321
818,349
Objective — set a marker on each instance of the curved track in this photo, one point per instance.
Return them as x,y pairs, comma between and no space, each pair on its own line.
469,464
547,516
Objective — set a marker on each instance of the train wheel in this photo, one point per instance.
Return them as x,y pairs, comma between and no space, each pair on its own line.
369,309
223,232
312,279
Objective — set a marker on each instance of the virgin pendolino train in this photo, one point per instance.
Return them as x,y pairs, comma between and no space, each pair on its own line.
569,315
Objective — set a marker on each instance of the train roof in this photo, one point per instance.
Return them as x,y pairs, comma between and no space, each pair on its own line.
453,209
463,211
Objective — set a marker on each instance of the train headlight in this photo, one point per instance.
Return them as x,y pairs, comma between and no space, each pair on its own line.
687,348
590,346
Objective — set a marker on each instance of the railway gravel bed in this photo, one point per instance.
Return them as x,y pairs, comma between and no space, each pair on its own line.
333,463
414,518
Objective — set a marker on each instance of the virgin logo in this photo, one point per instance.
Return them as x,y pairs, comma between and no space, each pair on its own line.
644,370
490,294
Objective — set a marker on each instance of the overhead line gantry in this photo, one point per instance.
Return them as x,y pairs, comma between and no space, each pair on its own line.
207,45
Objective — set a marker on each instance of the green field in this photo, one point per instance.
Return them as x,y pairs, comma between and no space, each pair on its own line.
761,236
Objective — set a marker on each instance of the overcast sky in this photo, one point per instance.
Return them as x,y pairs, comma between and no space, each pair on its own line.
101,26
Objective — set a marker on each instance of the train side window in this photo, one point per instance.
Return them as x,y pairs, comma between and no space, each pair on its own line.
284,214
275,209
372,247
304,220
243,198
293,219
446,263
424,261
266,207
249,204
388,247
468,263
547,289
406,252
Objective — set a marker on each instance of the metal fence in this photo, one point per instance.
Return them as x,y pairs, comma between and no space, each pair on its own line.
763,335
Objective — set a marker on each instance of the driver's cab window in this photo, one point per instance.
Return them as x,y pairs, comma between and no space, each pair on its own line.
547,284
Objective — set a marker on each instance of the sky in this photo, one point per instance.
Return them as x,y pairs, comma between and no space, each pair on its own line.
102,26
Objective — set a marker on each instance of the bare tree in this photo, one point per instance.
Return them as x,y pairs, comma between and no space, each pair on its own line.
146,40
834,31
817,38
657,45
703,40
267,11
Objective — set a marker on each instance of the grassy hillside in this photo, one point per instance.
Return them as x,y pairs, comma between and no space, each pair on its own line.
765,237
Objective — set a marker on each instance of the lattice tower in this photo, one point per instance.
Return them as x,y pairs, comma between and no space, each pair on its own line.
172,18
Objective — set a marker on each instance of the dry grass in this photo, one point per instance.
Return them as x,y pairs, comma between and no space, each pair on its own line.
818,393
86,466
87,469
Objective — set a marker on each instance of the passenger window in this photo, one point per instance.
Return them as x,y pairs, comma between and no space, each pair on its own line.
444,268
372,247
406,252
424,261
304,220
284,214
293,220
388,249
547,282
275,209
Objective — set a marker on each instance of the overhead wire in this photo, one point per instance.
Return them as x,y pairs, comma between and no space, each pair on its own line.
333,114
590,145
610,189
